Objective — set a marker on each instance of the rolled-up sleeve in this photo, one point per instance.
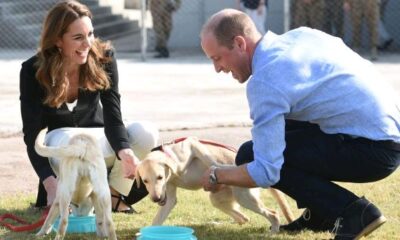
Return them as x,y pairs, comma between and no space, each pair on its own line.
268,107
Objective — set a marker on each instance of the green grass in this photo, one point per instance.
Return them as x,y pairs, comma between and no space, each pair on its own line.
195,211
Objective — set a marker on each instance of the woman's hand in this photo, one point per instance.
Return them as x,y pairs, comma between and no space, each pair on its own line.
50,184
129,162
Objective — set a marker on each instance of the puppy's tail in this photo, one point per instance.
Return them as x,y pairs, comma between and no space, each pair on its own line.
57,152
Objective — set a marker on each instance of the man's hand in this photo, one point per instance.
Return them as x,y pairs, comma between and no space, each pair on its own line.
50,184
205,181
129,162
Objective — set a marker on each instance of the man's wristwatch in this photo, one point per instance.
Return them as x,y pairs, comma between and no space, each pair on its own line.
213,178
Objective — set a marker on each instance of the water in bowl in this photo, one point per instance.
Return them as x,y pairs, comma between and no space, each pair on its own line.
166,233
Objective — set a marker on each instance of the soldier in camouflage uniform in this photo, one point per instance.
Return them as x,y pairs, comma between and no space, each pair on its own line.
368,10
161,12
309,13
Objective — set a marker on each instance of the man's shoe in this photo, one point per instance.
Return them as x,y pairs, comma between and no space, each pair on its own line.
157,49
386,44
162,53
374,54
308,221
358,220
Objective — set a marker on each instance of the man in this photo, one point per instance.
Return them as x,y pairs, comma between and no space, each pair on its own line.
368,10
309,13
256,10
334,18
320,113
161,12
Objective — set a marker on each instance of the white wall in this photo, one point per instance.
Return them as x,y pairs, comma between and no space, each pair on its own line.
189,19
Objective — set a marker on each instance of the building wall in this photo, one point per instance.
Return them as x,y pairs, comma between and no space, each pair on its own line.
189,19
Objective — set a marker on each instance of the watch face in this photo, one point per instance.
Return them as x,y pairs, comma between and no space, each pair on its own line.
213,179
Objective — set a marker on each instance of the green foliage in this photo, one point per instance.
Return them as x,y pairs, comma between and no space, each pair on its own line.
194,210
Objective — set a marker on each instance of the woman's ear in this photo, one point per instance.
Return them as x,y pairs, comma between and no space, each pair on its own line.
59,43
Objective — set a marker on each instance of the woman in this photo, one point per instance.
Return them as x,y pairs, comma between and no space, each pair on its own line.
63,86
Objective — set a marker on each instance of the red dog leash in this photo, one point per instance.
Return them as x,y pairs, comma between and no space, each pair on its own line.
207,142
25,225
202,141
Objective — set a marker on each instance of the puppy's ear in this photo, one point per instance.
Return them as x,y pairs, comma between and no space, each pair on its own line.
137,176
171,165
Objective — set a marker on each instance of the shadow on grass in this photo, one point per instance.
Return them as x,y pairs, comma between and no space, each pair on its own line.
208,231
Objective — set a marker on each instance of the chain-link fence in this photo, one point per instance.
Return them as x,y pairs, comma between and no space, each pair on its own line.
21,22
157,27
362,24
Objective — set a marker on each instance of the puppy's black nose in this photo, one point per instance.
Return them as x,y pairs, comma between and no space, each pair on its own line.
156,199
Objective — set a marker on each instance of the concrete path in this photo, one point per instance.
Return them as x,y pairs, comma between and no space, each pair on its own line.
176,93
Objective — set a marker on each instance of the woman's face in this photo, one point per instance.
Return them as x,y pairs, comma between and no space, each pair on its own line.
77,41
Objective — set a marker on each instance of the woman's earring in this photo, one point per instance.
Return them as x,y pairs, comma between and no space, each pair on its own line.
59,49
53,82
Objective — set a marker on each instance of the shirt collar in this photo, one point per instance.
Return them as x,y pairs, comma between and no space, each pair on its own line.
262,46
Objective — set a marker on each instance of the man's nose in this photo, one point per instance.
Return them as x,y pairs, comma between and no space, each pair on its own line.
217,68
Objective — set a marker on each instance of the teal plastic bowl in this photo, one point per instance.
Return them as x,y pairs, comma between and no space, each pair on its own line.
166,233
85,224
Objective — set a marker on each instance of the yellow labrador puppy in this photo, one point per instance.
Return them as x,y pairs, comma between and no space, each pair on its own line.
182,165
82,182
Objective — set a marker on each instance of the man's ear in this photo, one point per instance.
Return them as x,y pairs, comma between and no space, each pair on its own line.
240,42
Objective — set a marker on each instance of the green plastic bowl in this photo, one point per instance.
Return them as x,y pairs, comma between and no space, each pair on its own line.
85,224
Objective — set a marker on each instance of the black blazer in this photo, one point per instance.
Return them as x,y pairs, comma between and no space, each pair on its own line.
87,113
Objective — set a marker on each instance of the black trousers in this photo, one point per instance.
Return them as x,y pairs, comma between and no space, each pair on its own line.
313,159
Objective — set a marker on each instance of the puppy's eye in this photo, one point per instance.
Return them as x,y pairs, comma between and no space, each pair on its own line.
145,181
159,177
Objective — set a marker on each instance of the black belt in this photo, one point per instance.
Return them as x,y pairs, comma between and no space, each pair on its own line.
389,144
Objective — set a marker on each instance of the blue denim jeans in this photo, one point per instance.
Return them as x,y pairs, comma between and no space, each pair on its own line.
313,159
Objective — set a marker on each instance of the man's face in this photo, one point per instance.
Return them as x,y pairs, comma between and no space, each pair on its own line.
235,60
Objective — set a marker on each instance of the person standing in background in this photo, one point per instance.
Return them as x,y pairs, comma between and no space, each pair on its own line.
257,10
385,39
368,10
334,17
161,12
309,13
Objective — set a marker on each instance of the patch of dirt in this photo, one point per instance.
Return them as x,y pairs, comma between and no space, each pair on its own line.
16,173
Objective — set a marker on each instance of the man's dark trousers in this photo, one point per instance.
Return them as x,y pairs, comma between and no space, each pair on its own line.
313,159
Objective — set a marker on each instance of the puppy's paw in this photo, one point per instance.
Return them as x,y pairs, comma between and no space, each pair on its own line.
274,229
43,231
40,233
101,231
59,237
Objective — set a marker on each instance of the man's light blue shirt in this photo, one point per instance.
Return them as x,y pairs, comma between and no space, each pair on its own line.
307,75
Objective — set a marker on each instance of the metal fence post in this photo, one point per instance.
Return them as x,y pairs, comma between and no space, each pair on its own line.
286,15
143,30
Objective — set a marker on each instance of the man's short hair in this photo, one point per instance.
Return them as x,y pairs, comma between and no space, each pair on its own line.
228,26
